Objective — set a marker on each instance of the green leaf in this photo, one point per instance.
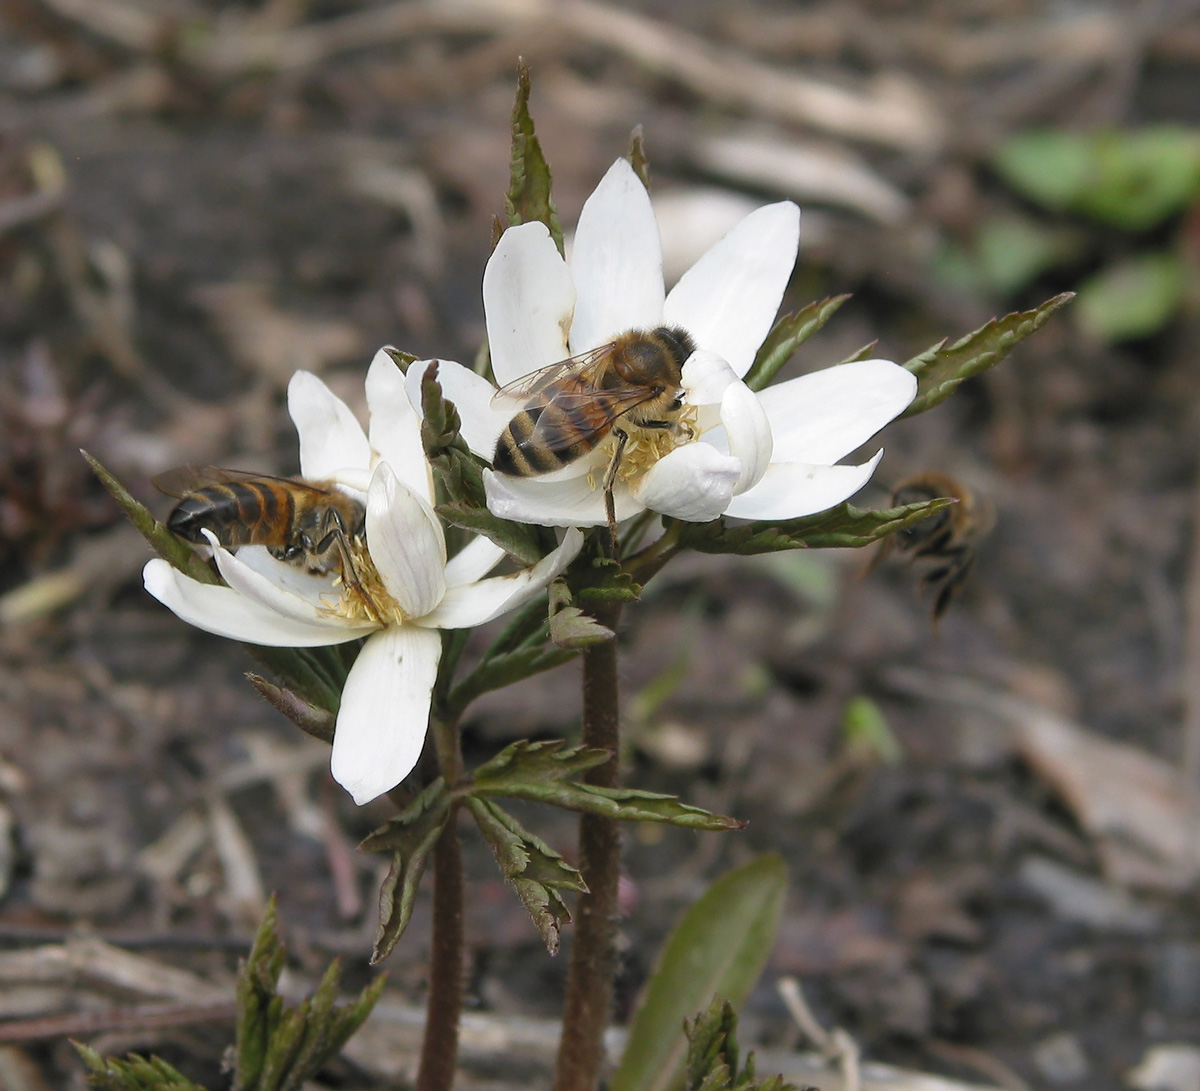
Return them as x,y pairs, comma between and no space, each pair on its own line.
538,874
531,762
789,333
712,1055
941,368
570,627
1013,250
134,1074
637,156
410,836
866,732
502,670
718,949
173,550
399,358
529,186
1134,298
258,976
1050,167
520,540
867,352
538,772
841,527
458,473
1132,180
317,722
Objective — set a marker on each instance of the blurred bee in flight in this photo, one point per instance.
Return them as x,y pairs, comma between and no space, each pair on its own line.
628,388
306,523
948,539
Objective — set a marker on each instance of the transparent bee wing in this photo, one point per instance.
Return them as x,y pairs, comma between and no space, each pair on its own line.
182,480
579,368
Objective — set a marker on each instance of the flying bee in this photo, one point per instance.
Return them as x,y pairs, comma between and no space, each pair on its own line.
572,406
949,538
308,523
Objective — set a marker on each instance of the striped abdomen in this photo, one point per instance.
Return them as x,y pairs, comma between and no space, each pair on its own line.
238,513
547,435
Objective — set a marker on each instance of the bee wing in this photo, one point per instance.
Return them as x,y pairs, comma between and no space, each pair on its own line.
188,479
581,369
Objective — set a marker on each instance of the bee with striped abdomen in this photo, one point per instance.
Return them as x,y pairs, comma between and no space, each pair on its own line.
309,523
571,407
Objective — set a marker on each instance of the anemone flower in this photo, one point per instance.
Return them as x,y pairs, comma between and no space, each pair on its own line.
769,455
411,588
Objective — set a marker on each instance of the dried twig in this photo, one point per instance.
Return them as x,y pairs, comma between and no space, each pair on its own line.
836,1045
142,1017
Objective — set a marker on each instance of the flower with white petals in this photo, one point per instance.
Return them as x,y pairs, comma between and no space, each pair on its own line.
412,587
770,455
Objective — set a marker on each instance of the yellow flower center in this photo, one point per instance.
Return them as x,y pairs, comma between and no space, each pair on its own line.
645,446
361,595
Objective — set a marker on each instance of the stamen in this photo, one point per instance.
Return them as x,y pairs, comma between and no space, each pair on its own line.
364,597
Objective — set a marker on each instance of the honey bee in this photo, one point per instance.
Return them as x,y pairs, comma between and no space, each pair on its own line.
309,523
949,538
572,406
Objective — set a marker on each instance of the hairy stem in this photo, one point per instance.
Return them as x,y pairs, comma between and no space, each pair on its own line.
439,1050
593,951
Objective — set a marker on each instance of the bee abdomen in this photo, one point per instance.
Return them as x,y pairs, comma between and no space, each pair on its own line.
237,513
520,453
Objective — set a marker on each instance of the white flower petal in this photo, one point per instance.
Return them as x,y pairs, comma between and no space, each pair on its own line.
384,715
310,587
789,490
616,261
706,377
396,427
224,612
728,299
823,416
474,561
693,482
748,434
264,590
569,503
482,418
528,299
330,437
406,544
478,603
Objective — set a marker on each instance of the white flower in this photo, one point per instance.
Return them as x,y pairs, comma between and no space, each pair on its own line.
384,710
764,456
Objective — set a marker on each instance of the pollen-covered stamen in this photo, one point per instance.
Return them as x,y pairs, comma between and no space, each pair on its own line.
646,446
361,595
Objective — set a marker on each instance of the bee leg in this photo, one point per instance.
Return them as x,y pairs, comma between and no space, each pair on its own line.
610,477
335,534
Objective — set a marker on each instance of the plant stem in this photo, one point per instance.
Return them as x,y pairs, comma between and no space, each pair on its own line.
439,1049
593,952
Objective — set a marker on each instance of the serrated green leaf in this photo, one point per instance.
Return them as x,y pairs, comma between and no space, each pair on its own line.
538,874
788,334
867,352
258,976
1134,298
410,836
842,527
623,804
712,1055
941,368
526,761
520,540
315,721
136,1073
177,553
570,627
401,359
503,670
718,949
529,186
